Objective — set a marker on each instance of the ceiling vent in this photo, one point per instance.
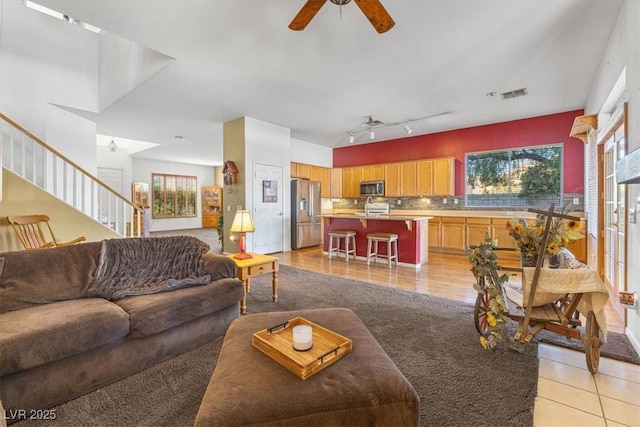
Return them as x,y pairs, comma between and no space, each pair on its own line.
514,93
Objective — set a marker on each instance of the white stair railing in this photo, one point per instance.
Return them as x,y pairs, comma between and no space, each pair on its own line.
32,159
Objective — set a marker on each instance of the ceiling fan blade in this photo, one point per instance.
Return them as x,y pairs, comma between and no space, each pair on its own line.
376,14
306,14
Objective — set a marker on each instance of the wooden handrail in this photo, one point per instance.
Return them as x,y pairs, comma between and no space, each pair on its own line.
63,157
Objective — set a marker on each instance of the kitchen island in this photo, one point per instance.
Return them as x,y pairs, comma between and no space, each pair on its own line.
412,231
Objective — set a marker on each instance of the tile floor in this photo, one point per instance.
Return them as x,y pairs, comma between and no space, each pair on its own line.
568,395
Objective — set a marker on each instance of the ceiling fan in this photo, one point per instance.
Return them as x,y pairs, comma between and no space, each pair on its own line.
372,9
373,123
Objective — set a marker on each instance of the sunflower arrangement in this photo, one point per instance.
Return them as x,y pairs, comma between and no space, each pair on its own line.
528,235
484,265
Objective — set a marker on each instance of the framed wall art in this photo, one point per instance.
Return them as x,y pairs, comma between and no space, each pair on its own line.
269,191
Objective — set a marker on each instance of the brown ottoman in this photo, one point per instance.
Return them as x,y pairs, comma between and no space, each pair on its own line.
364,388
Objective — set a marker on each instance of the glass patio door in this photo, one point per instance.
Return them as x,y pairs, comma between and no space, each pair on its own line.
614,215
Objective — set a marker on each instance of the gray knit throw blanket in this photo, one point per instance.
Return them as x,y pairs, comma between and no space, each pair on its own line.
141,266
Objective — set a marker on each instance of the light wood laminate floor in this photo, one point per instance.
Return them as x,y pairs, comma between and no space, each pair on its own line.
568,395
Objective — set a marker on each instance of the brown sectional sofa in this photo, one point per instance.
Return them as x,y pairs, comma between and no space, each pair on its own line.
57,341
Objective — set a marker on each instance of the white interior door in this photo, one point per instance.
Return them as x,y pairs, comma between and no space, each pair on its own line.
268,209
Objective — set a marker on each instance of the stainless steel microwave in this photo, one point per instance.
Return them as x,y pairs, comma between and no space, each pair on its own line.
372,188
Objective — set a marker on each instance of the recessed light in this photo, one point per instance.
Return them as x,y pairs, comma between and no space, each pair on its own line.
490,94
179,137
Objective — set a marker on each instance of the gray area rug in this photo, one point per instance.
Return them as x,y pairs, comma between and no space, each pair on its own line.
432,341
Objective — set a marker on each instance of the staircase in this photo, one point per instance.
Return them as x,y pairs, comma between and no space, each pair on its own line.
32,159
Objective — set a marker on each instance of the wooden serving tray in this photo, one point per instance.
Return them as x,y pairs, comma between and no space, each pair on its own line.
277,343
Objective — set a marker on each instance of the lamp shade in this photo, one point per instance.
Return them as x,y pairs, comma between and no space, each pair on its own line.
242,223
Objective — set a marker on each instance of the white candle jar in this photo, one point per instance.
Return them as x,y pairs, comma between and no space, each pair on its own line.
302,337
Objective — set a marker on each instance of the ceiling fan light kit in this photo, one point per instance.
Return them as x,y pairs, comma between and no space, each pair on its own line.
372,9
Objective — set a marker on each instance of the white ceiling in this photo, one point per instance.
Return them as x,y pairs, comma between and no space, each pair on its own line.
238,58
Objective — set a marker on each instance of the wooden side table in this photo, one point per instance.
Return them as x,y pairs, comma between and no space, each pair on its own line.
255,266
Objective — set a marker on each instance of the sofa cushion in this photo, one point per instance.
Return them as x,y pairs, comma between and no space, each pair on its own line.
41,276
151,314
46,333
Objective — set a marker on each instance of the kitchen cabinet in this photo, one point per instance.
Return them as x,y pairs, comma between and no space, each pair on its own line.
392,180
476,230
315,173
408,179
303,171
211,206
351,178
336,183
434,232
424,177
373,173
500,232
325,183
579,247
444,177
453,233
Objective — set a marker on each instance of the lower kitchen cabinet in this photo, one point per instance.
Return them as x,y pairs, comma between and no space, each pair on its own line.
452,233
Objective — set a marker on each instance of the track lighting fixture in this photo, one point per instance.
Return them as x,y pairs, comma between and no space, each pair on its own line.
372,125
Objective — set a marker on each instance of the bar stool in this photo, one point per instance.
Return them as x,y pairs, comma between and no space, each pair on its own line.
349,237
374,239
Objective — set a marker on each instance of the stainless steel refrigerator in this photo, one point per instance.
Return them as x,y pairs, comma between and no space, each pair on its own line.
306,227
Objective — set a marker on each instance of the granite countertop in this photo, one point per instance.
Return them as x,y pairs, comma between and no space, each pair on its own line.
390,217
429,214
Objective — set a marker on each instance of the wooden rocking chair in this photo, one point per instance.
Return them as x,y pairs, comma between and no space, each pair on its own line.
32,229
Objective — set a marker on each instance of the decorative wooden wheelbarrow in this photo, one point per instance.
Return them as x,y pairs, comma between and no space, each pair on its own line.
546,298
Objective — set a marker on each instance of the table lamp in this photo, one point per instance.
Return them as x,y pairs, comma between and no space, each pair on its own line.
243,224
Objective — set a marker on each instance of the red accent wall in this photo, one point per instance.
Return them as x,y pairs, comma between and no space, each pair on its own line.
541,130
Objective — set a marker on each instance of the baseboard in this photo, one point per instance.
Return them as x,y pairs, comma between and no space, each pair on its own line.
634,342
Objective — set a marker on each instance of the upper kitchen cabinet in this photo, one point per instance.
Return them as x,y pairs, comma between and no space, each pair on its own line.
315,173
373,173
335,189
300,170
325,183
444,177
424,174
351,178
408,179
392,180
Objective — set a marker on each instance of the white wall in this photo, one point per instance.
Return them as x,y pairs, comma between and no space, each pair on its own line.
624,50
120,159
269,144
141,172
311,154
45,62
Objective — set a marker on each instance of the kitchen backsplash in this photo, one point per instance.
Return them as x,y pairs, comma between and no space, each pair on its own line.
444,203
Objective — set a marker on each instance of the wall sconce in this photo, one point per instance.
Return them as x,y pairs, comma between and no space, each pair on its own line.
112,146
242,223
